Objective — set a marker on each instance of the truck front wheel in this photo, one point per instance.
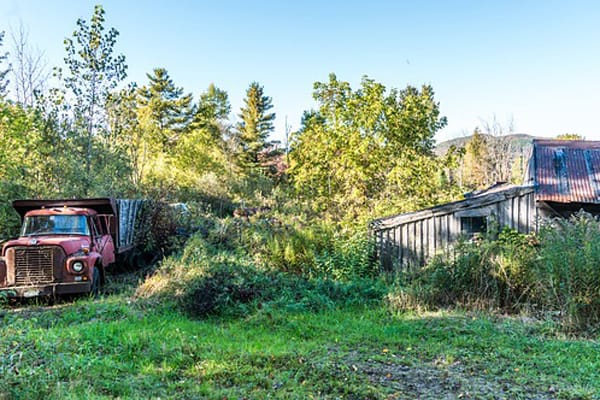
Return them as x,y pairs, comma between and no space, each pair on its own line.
96,282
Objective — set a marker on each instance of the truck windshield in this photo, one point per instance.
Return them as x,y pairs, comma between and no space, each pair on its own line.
55,225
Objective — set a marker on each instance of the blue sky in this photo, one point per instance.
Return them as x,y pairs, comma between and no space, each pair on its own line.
535,62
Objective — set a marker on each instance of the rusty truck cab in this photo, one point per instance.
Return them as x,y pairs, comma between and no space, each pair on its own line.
63,248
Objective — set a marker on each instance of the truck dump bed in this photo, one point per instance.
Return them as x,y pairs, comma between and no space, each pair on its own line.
129,217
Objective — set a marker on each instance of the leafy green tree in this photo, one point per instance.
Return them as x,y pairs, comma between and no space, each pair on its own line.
94,71
3,73
202,162
169,109
490,156
368,150
252,133
128,136
475,166
31,158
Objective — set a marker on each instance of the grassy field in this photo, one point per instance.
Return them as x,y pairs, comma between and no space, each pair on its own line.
116,347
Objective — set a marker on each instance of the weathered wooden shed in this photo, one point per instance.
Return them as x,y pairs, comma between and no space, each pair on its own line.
413,238
562,178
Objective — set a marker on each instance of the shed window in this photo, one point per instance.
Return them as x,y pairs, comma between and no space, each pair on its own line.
469,226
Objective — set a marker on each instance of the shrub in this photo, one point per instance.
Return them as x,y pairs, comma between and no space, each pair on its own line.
556,272
348,257
492,271
207,279
223,289
314,250
319,251
229,290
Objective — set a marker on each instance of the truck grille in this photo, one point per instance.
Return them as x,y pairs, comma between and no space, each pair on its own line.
34,265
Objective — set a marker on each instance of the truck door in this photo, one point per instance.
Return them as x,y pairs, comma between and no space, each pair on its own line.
103,243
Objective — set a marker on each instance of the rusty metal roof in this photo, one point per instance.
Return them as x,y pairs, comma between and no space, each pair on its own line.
566,171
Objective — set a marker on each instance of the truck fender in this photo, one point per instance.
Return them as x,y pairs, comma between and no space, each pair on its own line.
95,261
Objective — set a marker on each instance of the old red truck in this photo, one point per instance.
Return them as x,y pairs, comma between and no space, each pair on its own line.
65,246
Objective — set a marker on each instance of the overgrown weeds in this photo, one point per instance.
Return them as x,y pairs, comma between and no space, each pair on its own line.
236,266
568,271
553,273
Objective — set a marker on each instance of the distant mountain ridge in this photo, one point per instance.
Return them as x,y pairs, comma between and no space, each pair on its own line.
519,143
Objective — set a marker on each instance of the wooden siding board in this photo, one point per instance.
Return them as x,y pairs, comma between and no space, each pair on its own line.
438,233
410,244
418,243
514,213
379,247
522,214
535,213
398,242
431,238
386,248
502,213
448,230
423,247
455,228
527,213
405,251
393,245
497,212
410,234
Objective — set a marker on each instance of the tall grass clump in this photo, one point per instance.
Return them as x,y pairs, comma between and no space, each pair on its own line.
322,252
489,272
311,249
568,270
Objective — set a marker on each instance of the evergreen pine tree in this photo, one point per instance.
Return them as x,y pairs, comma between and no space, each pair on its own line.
255,151
212,112
171,110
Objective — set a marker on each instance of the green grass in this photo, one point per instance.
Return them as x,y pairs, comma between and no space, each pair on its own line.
115,348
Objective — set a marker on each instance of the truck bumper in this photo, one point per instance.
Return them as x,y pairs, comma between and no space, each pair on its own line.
45,290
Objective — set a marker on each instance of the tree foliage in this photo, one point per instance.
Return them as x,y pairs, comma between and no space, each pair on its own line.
213,111
475,162
360,153
169,110
369,149
26,150
253,131
93,73
491,157
570,136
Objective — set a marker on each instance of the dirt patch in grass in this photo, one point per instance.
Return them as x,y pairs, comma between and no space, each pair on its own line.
401,378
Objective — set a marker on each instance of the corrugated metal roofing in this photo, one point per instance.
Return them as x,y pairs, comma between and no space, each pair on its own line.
567,170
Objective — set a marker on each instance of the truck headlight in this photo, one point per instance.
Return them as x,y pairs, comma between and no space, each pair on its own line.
77,266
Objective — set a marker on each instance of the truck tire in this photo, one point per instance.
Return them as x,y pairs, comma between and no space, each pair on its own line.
96,282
